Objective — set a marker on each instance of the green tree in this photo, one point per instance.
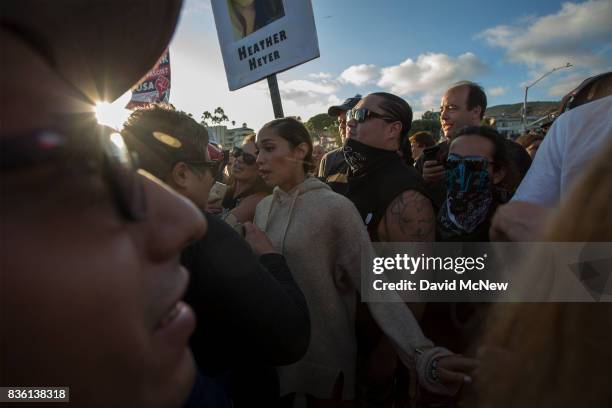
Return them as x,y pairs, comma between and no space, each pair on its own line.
420,125
323,125
429,115
216,118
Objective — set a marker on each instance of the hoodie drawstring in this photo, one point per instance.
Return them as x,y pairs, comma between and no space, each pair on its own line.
293,200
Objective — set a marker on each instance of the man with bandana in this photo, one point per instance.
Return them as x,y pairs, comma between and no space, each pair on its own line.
463,104
475,168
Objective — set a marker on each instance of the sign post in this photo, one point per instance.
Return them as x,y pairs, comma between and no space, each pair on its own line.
277,104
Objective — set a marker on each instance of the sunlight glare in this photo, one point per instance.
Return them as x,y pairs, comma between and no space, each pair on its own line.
111,114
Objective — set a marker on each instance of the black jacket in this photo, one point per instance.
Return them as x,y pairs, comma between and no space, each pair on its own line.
249,311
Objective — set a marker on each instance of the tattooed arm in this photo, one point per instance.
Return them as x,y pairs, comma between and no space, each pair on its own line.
409,218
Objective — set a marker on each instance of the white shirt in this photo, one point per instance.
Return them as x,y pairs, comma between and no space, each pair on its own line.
572,142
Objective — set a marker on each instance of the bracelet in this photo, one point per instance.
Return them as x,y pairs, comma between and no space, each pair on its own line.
434,370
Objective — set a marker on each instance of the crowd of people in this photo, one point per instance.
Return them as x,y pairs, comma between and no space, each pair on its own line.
140,268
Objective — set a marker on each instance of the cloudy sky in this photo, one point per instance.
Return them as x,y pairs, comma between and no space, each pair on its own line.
408,47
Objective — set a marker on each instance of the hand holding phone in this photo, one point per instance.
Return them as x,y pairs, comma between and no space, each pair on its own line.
433,170
431,153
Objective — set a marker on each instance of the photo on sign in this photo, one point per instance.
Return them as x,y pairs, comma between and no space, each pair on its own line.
259,38
248,16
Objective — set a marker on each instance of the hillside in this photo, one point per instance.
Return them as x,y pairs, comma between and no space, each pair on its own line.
539,108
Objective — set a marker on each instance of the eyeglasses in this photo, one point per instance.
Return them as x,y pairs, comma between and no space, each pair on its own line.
213,165
473,163
363,114
117,165
248,158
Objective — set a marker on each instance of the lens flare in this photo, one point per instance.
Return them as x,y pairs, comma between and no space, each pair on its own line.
111,114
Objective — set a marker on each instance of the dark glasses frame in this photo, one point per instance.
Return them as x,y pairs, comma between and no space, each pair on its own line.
248,158
474,163
213,165
118,165
363,114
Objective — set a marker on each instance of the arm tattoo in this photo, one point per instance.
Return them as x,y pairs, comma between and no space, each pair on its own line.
411,215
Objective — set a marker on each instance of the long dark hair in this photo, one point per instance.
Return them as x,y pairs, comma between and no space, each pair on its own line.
398,109
294,132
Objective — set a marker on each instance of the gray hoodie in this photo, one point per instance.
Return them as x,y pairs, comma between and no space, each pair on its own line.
322,236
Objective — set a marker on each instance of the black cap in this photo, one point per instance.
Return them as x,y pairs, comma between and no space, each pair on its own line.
346,106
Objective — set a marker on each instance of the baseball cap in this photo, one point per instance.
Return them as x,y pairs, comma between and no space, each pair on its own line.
102,48
348,104
171,136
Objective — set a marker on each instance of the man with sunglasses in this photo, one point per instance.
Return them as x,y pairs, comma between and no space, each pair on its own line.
386,190
251,314
91,285
333,167
391,198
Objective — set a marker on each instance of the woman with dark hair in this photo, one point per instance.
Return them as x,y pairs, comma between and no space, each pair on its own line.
479,177
248,16
323,239
247,188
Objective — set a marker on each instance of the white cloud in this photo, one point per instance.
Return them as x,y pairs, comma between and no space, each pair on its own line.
573,34
320,75
313,106
426,78
318,87
562,87
497,91
432,71
307,98
360,74
196,6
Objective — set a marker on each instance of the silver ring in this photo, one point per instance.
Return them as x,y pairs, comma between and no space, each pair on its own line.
434,370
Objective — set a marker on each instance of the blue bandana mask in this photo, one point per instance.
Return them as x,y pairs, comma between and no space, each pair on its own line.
467,174
469,193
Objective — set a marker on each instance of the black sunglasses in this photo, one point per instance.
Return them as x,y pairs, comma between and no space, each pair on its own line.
117,165
473,163
248,158
213,165
363,114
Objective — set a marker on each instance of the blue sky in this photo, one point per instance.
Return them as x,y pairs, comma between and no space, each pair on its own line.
412,48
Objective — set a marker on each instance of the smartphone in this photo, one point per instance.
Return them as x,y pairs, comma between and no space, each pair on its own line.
431,153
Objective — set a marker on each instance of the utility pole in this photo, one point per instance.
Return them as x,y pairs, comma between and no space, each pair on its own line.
524,117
